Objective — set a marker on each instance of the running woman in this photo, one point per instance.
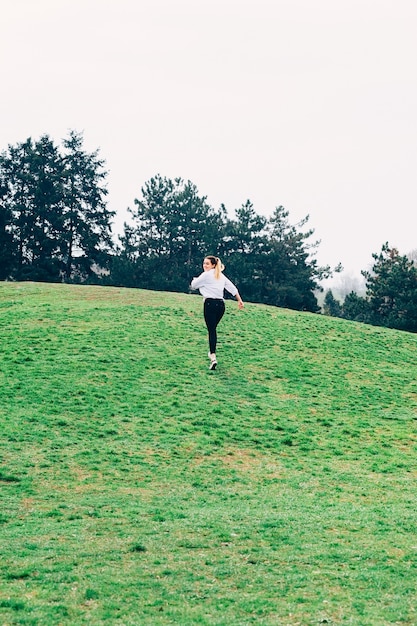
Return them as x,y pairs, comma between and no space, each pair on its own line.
211,284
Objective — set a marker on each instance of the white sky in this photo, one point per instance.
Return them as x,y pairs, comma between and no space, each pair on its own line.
306,103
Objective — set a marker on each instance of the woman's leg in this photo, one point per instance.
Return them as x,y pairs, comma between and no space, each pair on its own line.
213,313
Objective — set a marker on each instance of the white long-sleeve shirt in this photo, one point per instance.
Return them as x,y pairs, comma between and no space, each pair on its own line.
211,287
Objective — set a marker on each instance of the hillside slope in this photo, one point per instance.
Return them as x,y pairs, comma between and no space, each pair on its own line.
137,487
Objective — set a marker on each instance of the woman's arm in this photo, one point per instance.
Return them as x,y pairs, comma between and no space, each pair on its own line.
239,301
232,289
197,281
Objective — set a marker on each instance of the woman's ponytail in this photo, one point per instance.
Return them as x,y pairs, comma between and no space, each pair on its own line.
218,269
218,266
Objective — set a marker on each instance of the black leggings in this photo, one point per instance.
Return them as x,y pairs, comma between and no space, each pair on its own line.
213,312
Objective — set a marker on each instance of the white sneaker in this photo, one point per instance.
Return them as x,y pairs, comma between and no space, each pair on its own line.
213,364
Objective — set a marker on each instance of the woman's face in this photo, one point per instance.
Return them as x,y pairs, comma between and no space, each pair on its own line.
207,265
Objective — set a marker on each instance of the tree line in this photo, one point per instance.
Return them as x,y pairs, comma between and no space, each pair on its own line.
172,227
54,223
391,294
55,226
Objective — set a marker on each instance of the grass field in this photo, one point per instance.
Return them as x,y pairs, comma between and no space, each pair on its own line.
138,488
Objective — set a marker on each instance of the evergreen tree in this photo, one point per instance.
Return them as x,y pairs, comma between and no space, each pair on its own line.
357,309
32,192
173,227
392,290
272,259
7,247
291,271
86,230
242,249
54,224
331,306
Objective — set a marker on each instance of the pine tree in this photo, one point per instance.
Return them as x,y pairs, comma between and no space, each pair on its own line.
172,228
54,224
86,227
392,290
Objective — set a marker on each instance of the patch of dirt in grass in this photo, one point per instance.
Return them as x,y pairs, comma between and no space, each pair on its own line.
244,460
144,493
396,553
235,459
84,475
27,503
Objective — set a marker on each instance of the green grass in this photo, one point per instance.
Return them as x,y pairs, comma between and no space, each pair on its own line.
138,488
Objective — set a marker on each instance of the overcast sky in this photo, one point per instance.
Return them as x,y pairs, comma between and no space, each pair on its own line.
310,104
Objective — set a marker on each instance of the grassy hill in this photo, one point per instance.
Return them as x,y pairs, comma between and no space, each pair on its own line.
138,488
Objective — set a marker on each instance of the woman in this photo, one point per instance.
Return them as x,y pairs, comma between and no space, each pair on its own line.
211,284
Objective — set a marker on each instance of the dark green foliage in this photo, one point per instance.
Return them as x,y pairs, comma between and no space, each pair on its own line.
173,228
273,260
391,293
171,225
357,308
290,269
53,221
54,226
331,306
242,248
86,231
392,290
7,247
32,192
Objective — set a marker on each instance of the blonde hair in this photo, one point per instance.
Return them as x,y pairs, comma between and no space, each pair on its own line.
218,265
